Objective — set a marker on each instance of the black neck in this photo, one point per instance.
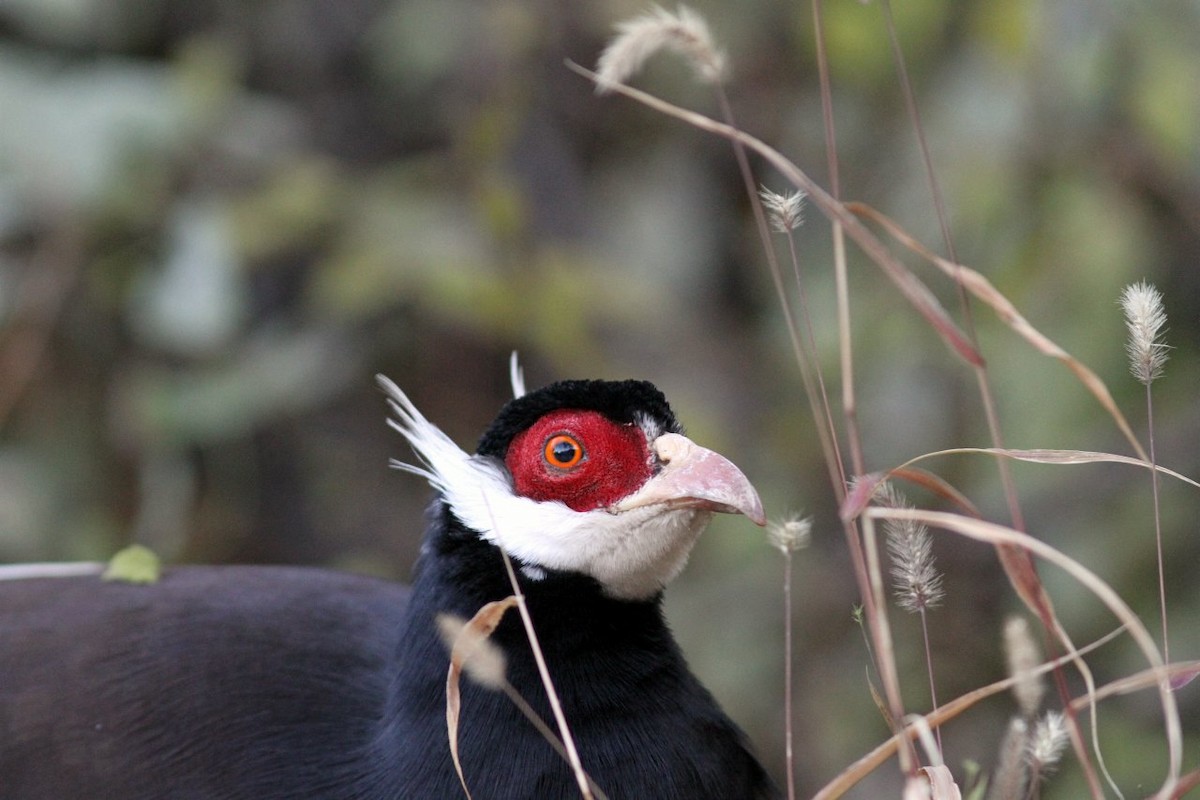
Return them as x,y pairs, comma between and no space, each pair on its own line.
603,655
574,619
641,720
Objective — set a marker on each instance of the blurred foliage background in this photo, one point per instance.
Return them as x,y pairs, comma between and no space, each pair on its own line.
218,220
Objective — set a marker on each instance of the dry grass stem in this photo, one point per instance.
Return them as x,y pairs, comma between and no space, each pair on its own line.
472,652
1000,535
560,718
864,766
1179,673
785,213
564,730
987,396
468,645
862,489
1053,457
881,633
1033,747
841,283
788,535
905,281
1145,318
916,583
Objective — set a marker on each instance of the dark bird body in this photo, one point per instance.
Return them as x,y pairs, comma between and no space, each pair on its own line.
290,683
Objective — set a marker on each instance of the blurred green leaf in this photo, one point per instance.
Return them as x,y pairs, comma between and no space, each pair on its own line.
134,564
294,208
67,132
194,303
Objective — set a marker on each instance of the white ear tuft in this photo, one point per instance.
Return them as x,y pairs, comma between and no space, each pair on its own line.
433,448
465,481
516,375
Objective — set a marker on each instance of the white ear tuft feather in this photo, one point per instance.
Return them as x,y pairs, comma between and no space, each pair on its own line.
441,457
516,375
466,481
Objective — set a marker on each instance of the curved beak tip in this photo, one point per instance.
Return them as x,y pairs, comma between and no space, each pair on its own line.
697,477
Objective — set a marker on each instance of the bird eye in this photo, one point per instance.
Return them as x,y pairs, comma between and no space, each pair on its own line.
563,451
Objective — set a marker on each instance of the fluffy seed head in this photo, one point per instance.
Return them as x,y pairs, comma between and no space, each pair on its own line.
790,534
785,211
1145,318
1023,659
915,580
1048,742
684,32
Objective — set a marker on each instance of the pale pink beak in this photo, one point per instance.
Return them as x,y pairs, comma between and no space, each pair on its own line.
692,476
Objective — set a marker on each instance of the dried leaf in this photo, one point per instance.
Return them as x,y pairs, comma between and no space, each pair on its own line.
938,486
465,642
1069,457
881,704
932,783
1188,782
1179,675
1182,679
862,489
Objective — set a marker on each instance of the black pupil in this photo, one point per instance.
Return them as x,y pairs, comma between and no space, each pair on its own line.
563,452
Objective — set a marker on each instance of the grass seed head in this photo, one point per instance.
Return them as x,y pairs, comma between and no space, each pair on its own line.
1145,318
1048,742
637,40
1023,658
915,580
785,212
790,533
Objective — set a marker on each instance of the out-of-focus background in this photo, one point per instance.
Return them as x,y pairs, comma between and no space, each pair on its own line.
219,220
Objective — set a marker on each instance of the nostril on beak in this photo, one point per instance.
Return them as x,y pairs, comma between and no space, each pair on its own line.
671,446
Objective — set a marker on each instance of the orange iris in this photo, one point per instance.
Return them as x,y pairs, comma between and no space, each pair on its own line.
563,451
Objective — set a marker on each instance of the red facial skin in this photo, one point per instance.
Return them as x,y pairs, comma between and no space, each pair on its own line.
580,458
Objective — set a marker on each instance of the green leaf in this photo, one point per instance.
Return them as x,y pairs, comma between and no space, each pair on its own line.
134,564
